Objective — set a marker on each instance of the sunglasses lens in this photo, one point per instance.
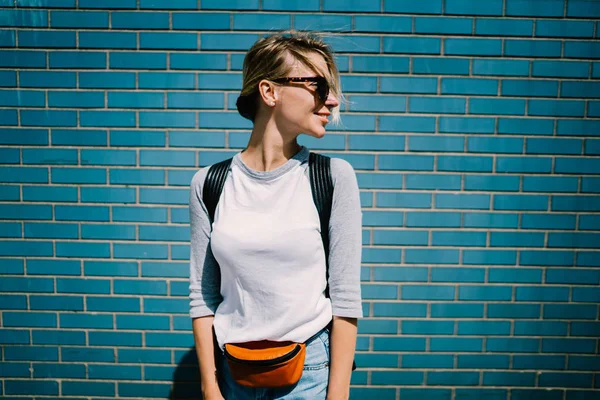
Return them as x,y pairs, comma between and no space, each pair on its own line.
323,89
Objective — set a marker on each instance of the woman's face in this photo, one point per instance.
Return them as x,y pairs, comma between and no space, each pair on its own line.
298,107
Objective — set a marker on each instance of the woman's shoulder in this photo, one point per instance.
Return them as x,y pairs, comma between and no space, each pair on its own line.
342,171
198,179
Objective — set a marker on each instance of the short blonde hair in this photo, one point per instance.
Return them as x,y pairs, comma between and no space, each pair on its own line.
266,59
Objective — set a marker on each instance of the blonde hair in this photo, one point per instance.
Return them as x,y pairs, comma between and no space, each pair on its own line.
266,59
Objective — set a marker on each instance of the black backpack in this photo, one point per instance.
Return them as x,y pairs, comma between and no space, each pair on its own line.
321,185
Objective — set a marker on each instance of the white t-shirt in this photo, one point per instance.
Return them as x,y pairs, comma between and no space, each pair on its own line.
260,270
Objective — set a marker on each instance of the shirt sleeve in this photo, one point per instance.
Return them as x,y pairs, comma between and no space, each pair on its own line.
345,242
205,277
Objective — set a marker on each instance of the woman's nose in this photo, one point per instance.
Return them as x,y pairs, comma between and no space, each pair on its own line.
332,101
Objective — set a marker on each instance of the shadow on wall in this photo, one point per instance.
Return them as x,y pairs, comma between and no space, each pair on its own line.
186,378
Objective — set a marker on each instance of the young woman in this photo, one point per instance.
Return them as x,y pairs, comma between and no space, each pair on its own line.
258,272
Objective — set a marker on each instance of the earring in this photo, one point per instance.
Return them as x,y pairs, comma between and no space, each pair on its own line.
272,103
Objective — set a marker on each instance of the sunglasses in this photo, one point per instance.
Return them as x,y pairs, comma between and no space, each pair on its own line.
322,85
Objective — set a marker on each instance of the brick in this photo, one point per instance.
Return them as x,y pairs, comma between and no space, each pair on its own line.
544,294
456,345
195,100
69,99
30,353
569,311
446,105
166,80
273,22
567,276
110,268
411,45
81,213
190,61
530,88
85,388
523,8
403,274
464,164
482,361
395,377
201,21
168,40
566,379
15,370
581,49
28,319
22,98
503,27
501,67
453,378
144,322
164,196
107,40
47,39
57,303
167,119
472,47
354,44
10,193
379,103
509,378
78,137
427,361
427,327
470,86
79,19
376,142
521,202
406,162
51,231
13,302
294,5
548,221
47,3
464,238
485,293
54,267
577,128
48,118
377,360
58,371
433,256
218,41
168,158
8,39
139,20
87,354
108,80
14,336
141,60
84,286
137,138
433,219
384,23
108,232
408,7
532,48
139,214
89,321
567,345
572,239
554,146
115,372
26,211
137,177
83,249
588,222
9,78
582,9
70,59
164,233
451,310
513,345
540,328
399,310
441,66
497,107
125,339
366,83
546,258
577,166
429,292
593,111
31,387
107,119
495,145
180,216
433,182
107,195
10,230
143,251
148,287
560,69
404,200
525,126
22,248
405,124
441,25
466,125
22,59
463,274
24,18
513,311
539,165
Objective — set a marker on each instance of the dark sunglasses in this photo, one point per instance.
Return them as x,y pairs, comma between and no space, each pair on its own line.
322,85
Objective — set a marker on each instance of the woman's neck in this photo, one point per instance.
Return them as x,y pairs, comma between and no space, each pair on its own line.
267,149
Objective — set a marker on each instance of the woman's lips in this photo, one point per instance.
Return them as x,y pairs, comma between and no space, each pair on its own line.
323,118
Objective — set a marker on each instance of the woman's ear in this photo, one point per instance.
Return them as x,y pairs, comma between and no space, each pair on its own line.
267,92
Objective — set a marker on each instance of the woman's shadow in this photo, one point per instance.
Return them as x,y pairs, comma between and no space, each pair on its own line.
186,378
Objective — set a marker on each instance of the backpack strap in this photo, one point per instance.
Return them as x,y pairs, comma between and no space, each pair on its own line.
213,186
321,185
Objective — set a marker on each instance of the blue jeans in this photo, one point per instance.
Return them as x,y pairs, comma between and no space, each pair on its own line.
311,386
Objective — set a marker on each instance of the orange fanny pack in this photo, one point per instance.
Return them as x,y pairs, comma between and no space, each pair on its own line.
266,364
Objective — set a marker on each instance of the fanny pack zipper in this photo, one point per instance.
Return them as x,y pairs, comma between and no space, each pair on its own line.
273,361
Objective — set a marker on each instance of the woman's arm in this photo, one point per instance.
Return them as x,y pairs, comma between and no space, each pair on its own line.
342,345
345,244
205,349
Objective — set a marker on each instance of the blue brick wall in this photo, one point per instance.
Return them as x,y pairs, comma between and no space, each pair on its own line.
474,128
